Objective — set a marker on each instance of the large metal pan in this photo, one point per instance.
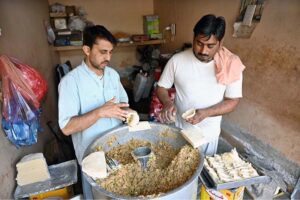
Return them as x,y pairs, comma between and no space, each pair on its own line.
158,132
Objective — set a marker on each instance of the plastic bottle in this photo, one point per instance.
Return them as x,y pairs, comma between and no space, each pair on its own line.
139,86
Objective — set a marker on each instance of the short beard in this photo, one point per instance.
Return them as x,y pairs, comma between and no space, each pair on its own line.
98,67
206,61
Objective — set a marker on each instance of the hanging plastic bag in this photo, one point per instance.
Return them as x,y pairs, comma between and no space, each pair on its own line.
33,78
20,108
9,72
22,124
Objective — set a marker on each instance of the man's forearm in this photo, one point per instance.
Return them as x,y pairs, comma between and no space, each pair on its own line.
108,110
163,95
80,123
222,108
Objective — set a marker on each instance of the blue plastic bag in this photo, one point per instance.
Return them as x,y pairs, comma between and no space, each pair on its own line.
22,125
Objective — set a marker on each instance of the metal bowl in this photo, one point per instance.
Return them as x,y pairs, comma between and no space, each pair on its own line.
158,132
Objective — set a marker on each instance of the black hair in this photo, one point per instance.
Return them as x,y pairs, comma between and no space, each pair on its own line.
210,25
92,33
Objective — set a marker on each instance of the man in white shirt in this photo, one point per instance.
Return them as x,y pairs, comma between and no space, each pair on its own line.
194,75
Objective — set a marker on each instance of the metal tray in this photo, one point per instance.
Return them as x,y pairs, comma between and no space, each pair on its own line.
210,183
62,175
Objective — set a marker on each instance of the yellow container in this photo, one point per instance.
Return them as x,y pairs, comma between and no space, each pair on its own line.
63,193
229,194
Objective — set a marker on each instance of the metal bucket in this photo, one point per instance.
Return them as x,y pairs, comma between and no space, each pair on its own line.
158,132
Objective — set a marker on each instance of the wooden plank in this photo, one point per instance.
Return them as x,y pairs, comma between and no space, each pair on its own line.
149,42
67,48
127,44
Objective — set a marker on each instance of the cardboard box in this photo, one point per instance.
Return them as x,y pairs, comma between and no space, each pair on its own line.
151,24
156,36
229,194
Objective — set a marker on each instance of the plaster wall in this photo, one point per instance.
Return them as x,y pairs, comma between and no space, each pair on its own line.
24,37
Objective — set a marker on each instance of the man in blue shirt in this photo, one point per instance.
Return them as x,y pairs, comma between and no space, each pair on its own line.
91,96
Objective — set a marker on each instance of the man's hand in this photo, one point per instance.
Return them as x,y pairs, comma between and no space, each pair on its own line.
114,110
109,110
200,115
224,107
167,115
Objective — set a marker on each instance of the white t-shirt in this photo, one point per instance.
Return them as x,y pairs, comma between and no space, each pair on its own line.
197,87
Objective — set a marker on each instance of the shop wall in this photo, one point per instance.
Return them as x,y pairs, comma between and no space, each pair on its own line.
24,37
270,108
116,16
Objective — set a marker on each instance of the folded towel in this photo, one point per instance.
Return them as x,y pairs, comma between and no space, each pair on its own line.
228,66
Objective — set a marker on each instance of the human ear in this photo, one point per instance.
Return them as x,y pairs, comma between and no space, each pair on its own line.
86,50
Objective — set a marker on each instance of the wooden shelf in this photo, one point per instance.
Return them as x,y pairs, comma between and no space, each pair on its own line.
120,44
149,42
67,48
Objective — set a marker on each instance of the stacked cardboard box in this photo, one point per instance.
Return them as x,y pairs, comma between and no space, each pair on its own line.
151,26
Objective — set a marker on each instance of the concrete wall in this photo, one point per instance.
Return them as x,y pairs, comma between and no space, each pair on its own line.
116,16
270,109
24,37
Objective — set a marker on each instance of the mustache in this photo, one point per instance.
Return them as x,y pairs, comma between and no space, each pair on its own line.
204,55
105,62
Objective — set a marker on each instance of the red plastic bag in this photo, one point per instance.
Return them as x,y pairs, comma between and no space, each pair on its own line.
26,80
33,78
